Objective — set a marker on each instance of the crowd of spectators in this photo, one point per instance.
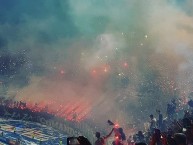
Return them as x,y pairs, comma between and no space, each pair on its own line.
167,130
174,128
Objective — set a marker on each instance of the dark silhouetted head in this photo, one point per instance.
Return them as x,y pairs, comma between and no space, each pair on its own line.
83,140
97,134
121,130
140,143
151,116
140,133
180,138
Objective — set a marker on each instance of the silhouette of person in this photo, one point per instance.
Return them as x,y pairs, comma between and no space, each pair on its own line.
101,140
152,123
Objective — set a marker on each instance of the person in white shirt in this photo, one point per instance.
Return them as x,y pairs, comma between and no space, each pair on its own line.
152,123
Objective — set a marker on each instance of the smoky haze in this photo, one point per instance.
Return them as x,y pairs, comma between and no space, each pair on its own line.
100,59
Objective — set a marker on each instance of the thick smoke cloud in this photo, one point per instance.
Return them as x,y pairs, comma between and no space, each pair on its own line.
103,59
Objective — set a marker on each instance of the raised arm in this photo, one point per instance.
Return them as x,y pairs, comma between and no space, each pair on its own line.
105,137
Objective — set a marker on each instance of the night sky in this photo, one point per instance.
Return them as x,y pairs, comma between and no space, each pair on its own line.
97,58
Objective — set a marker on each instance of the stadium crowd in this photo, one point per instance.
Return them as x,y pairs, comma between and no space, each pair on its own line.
176,128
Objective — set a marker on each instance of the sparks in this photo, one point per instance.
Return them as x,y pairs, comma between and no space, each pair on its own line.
125,64
62,72
105,70
94,71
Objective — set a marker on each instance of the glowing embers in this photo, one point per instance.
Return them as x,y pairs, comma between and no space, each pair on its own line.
71,111
74,111
105,70
100,70
94,72
125,64
116,125
62,72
